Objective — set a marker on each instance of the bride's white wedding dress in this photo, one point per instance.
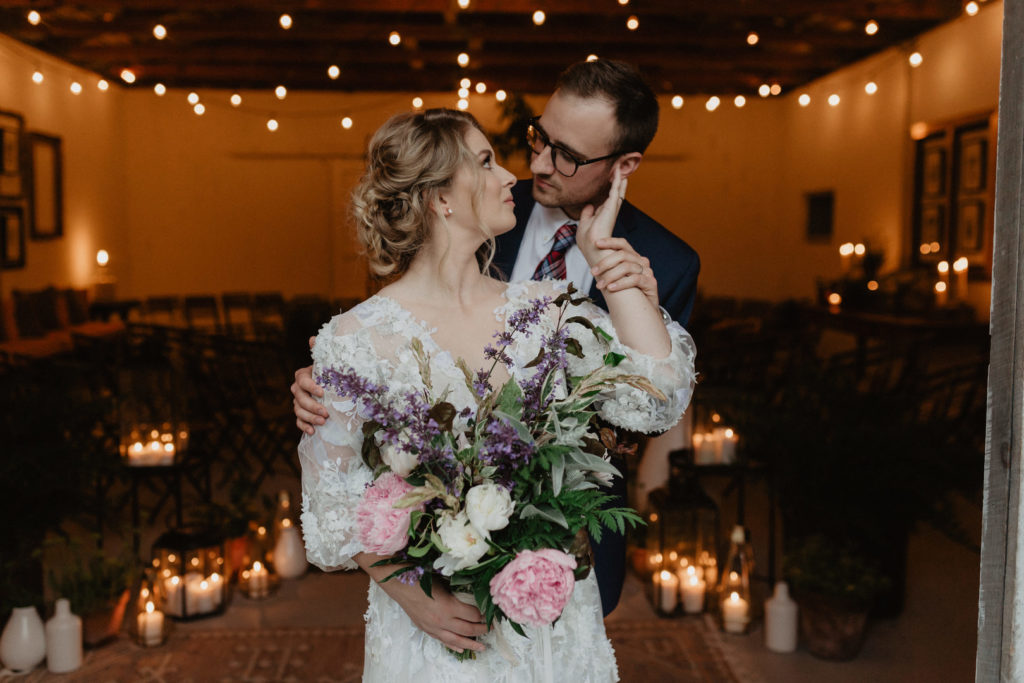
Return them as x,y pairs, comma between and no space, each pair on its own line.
373,338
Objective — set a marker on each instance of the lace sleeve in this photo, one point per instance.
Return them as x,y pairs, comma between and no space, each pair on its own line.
333,473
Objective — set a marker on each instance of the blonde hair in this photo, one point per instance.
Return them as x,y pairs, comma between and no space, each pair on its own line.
411,158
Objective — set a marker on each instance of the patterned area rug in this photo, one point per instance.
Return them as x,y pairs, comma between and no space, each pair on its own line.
681,651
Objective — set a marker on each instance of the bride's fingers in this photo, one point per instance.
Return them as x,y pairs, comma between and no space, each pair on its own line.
459,643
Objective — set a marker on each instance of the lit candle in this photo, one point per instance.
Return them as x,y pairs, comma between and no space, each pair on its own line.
666,590
734,613
960,268
151,625
193,591
216,589
174,600
710,571
704,448
693,594
845,256
258,580
727,445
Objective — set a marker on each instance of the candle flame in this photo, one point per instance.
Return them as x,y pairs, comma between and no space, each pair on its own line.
734,597
150,607
256,566
960,265
665,575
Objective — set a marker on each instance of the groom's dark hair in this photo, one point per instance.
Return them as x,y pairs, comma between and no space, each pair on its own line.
636,107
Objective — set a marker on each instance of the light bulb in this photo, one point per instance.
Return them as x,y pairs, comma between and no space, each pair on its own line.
752,38
871,87
346,122
764,90
463,59
539,17
500,95
775,89
633,23
281,92
463,4
193,97
37,77
160,31
463,104
34,18
677,102
971,8
417,102
127,75
76,88
394,38
481,88
915,59
102,257
591,57
804,99
271,124
465,83
871,28
833,100
160,89
286,21
235,100
740,101
199,109
333,71
463,93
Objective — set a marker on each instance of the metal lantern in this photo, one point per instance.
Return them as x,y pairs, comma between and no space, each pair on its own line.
258,578
682,539
189,568
734,603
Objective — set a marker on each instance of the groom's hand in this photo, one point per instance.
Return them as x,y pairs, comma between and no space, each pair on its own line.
308,411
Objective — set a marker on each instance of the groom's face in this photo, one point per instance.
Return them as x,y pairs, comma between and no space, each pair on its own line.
587,128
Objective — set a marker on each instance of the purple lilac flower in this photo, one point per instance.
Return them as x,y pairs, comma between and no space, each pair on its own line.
534,401
504,450
411,576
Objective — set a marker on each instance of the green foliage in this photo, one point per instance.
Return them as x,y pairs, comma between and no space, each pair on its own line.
86,575
822,566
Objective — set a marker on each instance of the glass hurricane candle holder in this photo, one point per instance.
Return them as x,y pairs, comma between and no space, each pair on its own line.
153,445
149,627
734,602
259,581
189,569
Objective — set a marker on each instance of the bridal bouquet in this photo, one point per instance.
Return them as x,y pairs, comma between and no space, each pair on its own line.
495,498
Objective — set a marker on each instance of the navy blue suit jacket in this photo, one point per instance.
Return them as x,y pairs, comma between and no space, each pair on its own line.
674,262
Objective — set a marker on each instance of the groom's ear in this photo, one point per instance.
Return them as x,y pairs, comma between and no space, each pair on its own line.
627,163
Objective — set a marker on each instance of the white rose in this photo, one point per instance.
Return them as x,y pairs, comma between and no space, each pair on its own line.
465,543
398,459
489,506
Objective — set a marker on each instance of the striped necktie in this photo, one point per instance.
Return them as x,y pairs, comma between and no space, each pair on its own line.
553,265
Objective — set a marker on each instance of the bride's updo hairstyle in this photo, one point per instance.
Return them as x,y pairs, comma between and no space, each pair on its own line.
411,158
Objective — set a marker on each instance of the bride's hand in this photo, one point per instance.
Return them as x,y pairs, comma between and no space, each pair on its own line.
441,616
622,268
595,224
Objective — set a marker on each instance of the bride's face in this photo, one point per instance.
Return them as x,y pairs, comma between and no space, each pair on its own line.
481,194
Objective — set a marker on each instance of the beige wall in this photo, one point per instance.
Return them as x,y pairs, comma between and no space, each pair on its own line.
190,204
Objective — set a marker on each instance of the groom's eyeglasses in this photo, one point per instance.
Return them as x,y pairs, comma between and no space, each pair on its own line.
565,162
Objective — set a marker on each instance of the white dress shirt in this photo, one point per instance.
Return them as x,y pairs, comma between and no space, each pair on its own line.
538,238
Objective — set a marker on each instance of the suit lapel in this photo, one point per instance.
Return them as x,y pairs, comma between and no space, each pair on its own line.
509,243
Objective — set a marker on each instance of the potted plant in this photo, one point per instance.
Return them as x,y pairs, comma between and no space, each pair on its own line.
835,586
95,582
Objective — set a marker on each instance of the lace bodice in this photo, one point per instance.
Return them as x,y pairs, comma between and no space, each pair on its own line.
374,339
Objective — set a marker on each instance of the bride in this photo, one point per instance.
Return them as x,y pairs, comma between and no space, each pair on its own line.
427,208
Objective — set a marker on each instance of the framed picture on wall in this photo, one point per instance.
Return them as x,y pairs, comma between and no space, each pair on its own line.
46,200
934,171
972,162
970,226
933,225
12,237
11,128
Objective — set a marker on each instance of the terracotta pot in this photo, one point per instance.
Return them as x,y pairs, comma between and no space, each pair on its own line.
103,625
830,628
236,554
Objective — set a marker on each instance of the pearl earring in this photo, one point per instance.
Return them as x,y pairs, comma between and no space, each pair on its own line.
448,212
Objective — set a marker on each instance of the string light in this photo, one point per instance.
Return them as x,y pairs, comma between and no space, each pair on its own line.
775,89
193,97
103,85
463,93
500,95
463,104
940,287
76,88
712,103
285,21
160,89
960,265
871,87
465,83
632,23
915,59
199,109
481,88
417,102
764,90
943,266
271,125
591,57
235,100
739,101
128,76
872,285
971,8
539,17
34,18
333,71
463,59
394,38
463,4
804,99
37,77
677,102
160,31
871,28
752,38
346,122
623,2
280,92
833,100
102,257
859,249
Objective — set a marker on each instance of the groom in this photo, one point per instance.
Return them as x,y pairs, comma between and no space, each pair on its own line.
602,116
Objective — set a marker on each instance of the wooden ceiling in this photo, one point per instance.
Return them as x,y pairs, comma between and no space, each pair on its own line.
684,46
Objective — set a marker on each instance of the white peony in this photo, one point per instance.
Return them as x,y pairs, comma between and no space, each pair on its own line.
400,460
465,543
489,506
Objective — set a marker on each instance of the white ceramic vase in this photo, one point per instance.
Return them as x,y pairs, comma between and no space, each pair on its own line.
23,643
290,554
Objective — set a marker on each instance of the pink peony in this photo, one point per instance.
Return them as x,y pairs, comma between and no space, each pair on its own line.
535,586
383,528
